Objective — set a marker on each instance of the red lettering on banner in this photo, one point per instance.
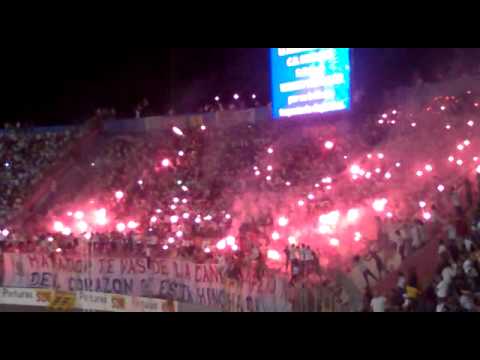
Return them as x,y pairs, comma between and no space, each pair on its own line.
246,275
266,286
178,275
164,269
198,268
206,274
131,267
70,266
201,296
110,269
78,266
188,276
123,265
59,263
141,266
45,262
155,267
102,266
273,288
33,261
214,274
248,286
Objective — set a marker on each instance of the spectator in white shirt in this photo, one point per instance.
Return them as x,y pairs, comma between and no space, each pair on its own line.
441,307
442,249
2,239
469,268
221,264
466,302
308,259
297,253
449,272
436,218
302,252
400,242
148,254
401,282
287,251
451,232
378,303
293,253
255,253
406,239
442,289
415,234
455,199
362,267
469,245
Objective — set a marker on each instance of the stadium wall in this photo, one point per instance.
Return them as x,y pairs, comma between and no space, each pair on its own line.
160,123
42,130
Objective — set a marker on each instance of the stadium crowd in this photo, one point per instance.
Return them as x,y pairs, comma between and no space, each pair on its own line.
246,196
24,158
455,286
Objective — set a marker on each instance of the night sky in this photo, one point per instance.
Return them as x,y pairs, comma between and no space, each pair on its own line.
50,86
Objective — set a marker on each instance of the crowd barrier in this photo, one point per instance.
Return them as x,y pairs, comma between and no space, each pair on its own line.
217,120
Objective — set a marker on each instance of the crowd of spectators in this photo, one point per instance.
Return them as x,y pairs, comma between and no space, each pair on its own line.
454,285
24,158
228,195
152,182
237,103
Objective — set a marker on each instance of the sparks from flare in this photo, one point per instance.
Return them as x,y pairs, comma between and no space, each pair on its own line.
121,227
177,131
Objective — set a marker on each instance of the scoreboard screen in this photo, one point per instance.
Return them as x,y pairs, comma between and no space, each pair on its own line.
309,81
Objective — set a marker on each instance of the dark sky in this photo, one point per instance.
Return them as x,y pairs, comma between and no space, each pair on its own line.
48,86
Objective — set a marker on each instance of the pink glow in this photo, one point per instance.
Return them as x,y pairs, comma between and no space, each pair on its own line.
283,221
79,215
132,225
221,245
177,131
353,215
230,240
329,145
379,205
58,226
334,242
273,255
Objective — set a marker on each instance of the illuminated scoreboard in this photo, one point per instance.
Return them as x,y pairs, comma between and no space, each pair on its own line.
309,81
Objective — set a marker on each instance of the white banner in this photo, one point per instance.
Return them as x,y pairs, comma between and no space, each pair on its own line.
182,281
